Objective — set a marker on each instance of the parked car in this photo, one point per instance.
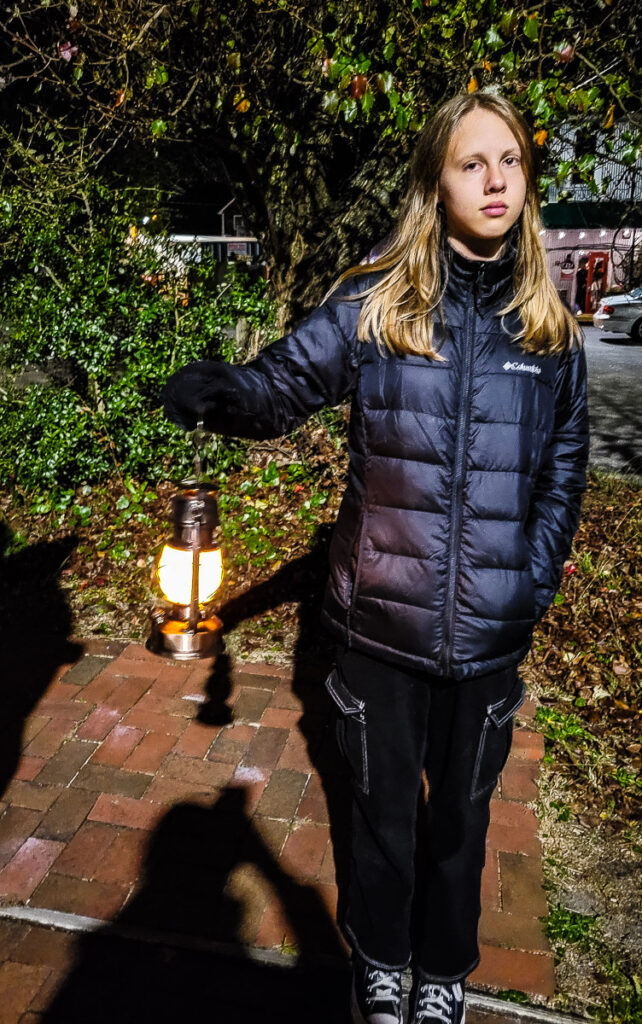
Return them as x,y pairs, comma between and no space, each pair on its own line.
621,314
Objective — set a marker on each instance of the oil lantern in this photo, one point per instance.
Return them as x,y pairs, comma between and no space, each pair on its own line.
189,572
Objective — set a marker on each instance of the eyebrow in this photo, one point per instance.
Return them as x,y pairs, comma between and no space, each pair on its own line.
481,156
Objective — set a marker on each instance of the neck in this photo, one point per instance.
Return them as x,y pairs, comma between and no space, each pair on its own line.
477,248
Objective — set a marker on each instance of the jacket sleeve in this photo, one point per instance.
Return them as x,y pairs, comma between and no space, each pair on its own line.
555,503
316,364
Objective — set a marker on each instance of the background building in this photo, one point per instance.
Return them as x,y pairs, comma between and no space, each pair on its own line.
596,226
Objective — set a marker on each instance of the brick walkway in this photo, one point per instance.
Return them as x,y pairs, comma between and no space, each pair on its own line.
177,799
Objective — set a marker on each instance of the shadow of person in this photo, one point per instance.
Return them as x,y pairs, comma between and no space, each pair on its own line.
303,580
204,870
35,623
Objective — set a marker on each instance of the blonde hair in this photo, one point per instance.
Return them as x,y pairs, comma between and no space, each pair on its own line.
398,309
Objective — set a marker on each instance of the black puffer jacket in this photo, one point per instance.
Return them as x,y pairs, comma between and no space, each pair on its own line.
465,477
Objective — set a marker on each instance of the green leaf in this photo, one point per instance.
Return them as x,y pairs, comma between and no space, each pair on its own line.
349,108
587,162
630,154
564,169
493,38
402,117
367,101
536,90
543,110
330,102
507,22
388,50
385,81
476,49
158,128
509,62
531,28
393,98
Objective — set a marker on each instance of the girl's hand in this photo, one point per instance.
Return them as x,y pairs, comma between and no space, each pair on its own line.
184,394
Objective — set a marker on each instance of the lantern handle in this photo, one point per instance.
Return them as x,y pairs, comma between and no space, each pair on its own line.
199,437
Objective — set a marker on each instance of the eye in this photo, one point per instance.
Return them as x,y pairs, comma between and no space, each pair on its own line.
515,158
473,163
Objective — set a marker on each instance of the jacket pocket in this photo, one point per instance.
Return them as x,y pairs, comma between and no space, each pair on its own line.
495,740
350,728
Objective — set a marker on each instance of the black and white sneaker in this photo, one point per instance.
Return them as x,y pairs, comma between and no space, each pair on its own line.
433,1002
376,994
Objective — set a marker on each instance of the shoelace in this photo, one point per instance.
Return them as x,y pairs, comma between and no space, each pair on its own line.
436,1000
384,985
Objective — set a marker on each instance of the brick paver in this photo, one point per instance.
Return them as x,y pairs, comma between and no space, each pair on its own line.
28,867
123,805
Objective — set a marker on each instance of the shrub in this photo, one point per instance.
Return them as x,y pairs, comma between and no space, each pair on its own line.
94,316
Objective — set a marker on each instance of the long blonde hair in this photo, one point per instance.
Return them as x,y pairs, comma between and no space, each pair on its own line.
398,309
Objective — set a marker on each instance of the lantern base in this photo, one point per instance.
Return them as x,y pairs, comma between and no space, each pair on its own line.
173,638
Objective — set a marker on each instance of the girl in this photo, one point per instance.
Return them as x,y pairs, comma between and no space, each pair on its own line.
468,446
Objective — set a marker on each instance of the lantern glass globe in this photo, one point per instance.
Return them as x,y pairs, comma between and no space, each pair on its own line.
175,568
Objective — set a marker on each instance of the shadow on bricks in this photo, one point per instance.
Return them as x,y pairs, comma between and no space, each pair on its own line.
35,625
218,687
184,888
303,580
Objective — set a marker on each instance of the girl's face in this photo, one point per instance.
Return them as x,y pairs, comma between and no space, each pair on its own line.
482,185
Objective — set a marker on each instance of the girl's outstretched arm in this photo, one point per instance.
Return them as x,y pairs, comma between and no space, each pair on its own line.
314,365
555,504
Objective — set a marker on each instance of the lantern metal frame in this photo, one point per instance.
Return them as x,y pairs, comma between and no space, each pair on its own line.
187,632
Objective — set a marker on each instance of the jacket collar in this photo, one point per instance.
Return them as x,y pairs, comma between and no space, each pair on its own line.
488,280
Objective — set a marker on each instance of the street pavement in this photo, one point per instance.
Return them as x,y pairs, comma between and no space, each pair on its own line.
615,400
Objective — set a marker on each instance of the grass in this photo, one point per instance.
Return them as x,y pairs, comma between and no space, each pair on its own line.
566,928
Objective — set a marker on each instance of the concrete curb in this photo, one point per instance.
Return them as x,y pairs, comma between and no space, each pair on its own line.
61,921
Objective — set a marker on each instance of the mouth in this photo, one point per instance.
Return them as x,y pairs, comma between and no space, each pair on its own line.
495,210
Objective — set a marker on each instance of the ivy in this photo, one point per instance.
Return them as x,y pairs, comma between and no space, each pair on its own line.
93,320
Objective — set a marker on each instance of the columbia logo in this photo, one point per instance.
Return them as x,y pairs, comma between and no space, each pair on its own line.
528,367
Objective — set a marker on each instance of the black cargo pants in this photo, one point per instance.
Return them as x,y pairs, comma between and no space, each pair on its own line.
391,724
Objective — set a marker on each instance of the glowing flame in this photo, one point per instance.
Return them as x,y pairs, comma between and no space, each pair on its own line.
175,574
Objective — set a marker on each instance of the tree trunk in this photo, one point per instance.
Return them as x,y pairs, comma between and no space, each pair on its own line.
316,233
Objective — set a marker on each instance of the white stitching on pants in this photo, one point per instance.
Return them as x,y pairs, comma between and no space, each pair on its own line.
355,712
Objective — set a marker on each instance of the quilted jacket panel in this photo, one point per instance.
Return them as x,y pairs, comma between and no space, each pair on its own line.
465,477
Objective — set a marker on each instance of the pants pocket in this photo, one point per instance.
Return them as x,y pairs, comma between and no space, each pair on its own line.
495,740
350,728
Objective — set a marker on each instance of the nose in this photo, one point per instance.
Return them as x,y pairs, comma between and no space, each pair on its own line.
495,178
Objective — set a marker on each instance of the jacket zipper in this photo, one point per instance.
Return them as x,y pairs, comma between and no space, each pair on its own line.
463,421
